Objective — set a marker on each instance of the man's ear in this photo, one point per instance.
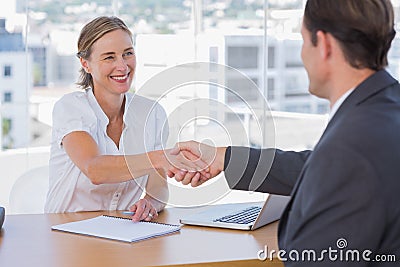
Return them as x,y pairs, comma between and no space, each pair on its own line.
324,44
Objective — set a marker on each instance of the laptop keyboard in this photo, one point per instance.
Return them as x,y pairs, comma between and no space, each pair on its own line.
242,217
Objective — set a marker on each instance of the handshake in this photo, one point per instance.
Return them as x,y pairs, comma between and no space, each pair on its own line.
190,162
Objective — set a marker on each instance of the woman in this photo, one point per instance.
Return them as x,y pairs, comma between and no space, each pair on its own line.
94,129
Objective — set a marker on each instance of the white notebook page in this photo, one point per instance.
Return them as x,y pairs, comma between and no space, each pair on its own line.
117,228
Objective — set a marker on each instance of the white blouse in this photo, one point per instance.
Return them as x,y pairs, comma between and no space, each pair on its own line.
145,129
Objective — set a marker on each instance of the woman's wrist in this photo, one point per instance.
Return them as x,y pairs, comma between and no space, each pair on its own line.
157,159
158,205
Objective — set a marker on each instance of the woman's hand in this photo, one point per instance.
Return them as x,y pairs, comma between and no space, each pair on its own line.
144,211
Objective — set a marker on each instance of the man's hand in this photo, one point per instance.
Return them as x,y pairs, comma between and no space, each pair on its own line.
198,154
179,164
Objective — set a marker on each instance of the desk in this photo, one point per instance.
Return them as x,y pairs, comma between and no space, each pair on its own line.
27,240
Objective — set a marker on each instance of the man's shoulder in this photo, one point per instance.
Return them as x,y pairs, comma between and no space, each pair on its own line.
372,118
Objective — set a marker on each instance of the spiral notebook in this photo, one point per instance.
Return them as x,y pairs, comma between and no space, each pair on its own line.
117,228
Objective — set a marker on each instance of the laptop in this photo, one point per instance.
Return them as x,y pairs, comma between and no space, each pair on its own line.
241,216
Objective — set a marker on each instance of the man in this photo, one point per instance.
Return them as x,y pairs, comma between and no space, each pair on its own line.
344,203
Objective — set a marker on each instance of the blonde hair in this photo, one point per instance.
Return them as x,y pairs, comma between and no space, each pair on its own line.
90,33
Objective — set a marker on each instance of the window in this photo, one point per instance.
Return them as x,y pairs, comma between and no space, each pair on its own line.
7,97
7,140
7,71
271,88
241,87
294,86
243,57
7,126
292,50
214,54
260,38
323,108
299,108
271,57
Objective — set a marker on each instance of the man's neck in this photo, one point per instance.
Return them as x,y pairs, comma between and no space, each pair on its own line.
348,81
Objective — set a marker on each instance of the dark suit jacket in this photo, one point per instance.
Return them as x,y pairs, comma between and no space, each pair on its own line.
346,190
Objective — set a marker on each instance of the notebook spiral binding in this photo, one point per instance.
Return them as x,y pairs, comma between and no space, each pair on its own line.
110,216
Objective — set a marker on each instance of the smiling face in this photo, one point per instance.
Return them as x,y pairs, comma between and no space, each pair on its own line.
112,63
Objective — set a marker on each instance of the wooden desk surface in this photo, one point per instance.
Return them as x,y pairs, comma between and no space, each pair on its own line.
27,240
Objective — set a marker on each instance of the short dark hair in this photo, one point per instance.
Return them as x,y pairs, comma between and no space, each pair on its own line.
364,28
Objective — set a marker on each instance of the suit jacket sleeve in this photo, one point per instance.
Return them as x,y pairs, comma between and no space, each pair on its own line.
264,170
